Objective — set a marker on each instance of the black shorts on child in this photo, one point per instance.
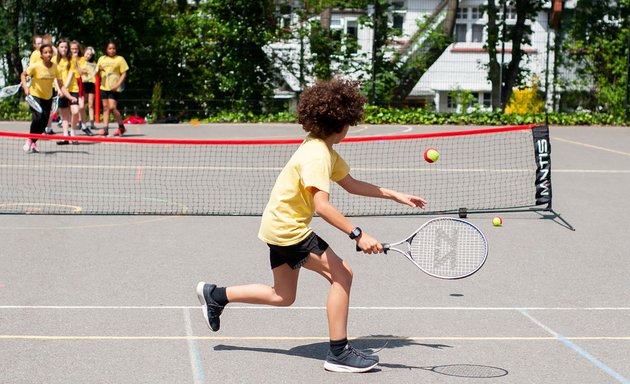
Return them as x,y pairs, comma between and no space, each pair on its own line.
296,255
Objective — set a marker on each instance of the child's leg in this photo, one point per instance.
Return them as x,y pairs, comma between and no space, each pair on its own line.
281,294
65,116
91,97
339,274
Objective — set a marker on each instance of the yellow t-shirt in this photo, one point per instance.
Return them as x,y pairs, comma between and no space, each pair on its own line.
113,67
290,208
73,86
42,79
36,56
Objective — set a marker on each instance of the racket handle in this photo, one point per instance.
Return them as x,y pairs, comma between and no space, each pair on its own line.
385,248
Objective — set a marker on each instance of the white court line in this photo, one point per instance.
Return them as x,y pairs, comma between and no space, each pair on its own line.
590,146
300,308
307,338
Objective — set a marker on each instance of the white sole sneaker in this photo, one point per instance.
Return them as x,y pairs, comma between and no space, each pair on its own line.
346,369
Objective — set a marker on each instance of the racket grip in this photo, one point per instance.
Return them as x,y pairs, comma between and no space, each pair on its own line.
385,248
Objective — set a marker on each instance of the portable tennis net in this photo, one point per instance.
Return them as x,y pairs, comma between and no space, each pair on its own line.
481,170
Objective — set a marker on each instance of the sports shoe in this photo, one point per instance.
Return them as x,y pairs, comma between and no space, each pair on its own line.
350,360
211,309
33,148
49,131
27,146
63,142
103,132
120,131
87,131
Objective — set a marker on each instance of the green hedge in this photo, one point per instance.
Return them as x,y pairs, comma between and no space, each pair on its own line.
11,109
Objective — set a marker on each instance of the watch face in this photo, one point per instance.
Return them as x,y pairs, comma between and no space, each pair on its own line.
355,233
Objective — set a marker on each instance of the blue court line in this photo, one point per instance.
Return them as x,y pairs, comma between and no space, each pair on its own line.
199,376
599,364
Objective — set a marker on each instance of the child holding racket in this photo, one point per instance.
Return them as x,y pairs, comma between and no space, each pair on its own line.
43,74
326,111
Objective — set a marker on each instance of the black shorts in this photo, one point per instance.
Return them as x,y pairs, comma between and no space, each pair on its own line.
296,255
109,95
88,88
63,102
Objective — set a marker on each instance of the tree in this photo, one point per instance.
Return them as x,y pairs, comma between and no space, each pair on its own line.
505,78
596,51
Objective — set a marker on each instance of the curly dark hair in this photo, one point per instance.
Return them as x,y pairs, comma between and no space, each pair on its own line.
326,107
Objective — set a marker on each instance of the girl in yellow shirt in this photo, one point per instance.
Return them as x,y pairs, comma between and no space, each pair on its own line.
113,71
88,72
43,74
67,69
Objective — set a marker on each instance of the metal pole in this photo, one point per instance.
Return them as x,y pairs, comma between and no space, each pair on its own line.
547,74
502,56
374,48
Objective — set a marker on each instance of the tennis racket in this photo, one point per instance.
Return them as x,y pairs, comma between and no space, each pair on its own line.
444,247
55,104
33,103
9,91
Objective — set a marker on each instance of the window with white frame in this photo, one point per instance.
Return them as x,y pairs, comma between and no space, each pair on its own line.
451,103
345,30
469,25
398,13
486,99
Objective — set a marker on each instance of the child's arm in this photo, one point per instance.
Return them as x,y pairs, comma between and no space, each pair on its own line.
358,187
64,91
328,212
23,80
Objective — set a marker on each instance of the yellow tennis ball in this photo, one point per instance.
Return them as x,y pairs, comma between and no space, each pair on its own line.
497,221
431,155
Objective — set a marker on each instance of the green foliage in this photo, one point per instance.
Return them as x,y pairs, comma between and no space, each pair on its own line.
157,103
596,51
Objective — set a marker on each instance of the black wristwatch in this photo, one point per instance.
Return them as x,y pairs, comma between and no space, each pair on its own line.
356,232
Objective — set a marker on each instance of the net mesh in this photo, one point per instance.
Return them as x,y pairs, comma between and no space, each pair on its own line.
488,169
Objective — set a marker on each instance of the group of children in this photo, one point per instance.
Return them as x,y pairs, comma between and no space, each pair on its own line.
70,71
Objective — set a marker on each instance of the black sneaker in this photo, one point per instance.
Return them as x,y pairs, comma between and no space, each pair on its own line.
63,142
211,309
350,360
87,131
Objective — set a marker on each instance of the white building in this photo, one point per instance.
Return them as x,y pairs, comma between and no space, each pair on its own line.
462,66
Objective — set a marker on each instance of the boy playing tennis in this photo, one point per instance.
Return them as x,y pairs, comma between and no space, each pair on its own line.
326,110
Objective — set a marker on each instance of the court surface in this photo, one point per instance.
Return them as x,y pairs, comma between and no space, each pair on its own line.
110,299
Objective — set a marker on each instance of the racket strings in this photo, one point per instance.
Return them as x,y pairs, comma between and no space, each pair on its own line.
448,248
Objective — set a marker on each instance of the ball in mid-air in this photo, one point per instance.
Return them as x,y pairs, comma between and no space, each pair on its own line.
431,155
497,221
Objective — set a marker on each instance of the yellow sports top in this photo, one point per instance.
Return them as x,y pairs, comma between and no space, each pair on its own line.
42,79
286,218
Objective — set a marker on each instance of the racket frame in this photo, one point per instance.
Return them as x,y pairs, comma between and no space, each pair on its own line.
392,247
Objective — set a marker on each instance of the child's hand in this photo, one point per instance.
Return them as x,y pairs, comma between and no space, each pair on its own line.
368,244
410,200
